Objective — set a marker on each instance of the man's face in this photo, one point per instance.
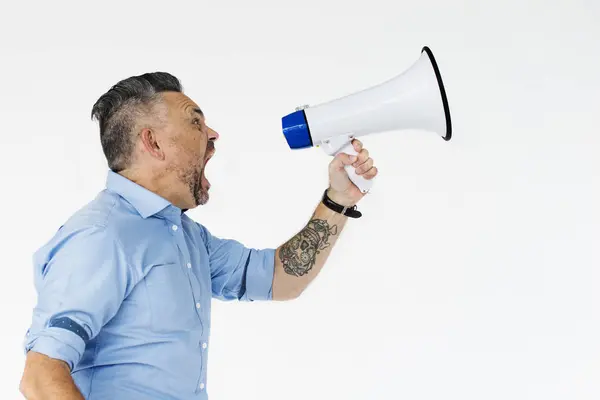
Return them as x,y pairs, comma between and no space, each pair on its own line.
190,144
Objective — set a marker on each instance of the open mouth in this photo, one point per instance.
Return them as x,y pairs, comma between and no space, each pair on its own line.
203,181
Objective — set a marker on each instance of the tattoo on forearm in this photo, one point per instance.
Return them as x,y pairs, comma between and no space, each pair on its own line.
298,254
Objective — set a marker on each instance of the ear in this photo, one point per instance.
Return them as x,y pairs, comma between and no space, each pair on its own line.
150,144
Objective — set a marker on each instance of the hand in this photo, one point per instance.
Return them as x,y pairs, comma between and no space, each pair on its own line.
341,189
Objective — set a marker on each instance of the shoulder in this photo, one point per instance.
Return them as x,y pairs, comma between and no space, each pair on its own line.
198,231
215,244
106,216
203,237
95,225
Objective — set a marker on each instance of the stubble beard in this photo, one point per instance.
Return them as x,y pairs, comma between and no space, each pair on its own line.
193,180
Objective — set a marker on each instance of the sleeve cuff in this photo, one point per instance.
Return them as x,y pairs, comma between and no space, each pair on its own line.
259,277
59,344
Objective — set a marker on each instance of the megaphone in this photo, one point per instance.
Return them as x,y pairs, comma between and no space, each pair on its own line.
415,99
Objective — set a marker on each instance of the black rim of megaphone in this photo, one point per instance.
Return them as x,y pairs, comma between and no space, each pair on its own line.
442,92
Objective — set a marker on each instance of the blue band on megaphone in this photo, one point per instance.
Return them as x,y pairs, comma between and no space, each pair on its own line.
295,130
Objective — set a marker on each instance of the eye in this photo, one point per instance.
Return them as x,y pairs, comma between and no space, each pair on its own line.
196,121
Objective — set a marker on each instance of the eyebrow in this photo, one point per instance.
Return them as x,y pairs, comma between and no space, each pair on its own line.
199,111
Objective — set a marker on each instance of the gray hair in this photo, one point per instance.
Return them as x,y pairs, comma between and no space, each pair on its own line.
119,110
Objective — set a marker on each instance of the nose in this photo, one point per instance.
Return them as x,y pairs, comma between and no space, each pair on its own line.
212,134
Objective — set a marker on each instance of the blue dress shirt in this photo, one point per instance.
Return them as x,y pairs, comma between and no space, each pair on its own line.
124,294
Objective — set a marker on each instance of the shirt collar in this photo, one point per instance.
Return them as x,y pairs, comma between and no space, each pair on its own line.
145,202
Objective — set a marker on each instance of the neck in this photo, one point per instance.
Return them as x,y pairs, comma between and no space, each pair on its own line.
162,185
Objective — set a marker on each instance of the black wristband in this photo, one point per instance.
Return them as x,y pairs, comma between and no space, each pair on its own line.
349,211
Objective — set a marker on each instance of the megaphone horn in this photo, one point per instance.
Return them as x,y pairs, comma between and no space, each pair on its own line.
415,99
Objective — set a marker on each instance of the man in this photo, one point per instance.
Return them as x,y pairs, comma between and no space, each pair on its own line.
125,285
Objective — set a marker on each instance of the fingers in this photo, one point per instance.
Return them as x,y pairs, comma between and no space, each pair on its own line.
371,173
362,163
341,160
364,167
363,156
367,170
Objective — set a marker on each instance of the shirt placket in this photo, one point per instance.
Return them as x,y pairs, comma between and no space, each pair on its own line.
185,259
186,263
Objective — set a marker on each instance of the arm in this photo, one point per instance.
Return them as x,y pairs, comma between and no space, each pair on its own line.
299,260
282,273
242,273
81,276
47,378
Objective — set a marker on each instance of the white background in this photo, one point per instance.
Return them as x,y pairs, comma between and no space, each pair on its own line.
474,272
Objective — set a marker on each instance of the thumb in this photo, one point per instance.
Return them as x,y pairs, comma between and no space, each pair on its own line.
341,160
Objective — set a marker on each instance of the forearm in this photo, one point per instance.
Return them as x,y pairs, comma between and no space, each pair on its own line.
47,379
299,260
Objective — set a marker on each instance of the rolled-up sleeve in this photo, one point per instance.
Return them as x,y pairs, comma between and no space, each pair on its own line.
81,277
239,272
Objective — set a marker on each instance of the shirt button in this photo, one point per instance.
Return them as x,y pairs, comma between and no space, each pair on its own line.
189,265
201,385
174,227
204,345
197,305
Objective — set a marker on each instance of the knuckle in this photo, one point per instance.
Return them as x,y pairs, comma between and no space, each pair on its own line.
365,168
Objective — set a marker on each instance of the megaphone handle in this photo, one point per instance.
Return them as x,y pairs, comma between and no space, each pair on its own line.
363,184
